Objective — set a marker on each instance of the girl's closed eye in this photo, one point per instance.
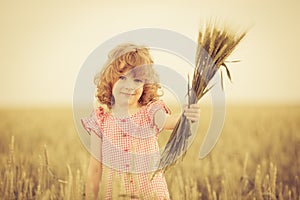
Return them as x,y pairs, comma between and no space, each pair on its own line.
138,81
122,78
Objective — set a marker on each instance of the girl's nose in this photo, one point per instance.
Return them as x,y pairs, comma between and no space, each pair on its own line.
129,84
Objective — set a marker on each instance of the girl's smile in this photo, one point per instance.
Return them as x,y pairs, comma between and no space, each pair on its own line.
127,94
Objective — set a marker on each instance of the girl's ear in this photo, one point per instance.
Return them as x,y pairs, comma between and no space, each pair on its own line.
112,100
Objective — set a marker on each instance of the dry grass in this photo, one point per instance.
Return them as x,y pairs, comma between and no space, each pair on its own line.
257,156
215,43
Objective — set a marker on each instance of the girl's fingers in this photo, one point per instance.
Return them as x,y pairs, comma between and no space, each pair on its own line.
189,110
192,113
192,116
196,106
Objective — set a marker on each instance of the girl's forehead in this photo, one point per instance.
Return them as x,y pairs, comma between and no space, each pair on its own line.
132,74
137,71
128,74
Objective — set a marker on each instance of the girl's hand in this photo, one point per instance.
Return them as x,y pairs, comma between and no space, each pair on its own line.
192,113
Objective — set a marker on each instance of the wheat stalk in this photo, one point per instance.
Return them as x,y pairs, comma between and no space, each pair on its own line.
68,190
9,174
258,183
273,174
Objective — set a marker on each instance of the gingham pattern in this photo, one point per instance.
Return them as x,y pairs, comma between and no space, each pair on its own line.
129,146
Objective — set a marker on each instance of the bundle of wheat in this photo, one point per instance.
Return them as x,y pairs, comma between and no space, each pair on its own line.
215,44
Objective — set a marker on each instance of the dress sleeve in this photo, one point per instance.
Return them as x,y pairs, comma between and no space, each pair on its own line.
153,107
91,123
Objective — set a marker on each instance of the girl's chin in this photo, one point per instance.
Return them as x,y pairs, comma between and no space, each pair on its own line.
127,102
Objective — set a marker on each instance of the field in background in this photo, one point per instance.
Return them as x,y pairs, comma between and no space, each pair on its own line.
257,156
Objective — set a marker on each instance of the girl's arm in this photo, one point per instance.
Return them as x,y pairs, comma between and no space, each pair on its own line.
168,122
93,179
94,173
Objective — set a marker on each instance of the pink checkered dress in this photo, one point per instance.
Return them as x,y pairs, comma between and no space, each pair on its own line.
130,151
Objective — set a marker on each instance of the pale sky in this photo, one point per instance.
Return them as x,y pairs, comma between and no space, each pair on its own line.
44,44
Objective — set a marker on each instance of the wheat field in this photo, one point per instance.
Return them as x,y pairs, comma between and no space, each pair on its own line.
256,157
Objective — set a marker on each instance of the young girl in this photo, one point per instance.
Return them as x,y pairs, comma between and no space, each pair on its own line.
124,135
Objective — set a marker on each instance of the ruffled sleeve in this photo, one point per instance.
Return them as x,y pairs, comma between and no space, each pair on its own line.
155,106
92,124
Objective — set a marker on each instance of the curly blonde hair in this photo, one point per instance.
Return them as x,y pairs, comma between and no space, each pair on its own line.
122,59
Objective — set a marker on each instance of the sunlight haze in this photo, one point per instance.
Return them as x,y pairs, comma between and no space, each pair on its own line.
44,44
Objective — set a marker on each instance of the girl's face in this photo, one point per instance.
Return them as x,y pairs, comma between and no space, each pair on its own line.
127,90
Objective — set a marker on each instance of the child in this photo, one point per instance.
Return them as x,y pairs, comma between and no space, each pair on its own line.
124,136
